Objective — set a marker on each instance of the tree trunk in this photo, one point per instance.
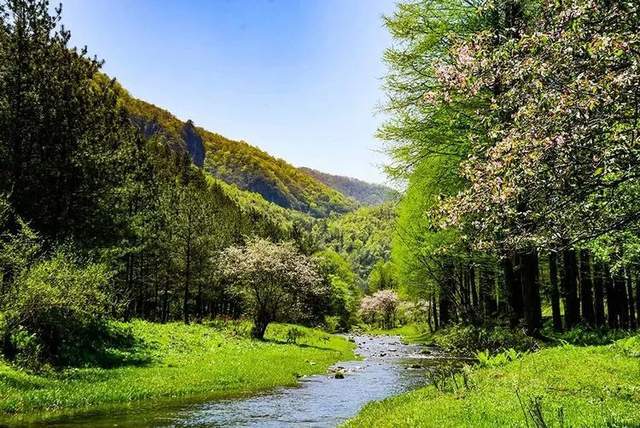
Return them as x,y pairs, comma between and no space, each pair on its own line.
586,295
630,302
612,313
187,280
434,310
531,292
622,303
513,289
444,308
260,323
638,298
555,292
487,288
474,291
570,289
598,288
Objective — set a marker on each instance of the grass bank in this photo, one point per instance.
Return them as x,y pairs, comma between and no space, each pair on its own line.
410,333
559,386
175,360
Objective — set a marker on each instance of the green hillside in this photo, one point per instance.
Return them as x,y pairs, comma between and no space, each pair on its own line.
240,163
363,192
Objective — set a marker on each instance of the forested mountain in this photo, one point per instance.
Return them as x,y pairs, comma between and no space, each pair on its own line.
363,192
240,163
363,236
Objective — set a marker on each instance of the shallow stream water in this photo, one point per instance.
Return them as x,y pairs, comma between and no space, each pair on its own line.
389,367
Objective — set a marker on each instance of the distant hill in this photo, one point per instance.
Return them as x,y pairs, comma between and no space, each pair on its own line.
366,193
239,163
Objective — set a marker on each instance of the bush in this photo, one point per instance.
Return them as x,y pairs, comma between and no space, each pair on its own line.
469,340
332,323
56,312
581,336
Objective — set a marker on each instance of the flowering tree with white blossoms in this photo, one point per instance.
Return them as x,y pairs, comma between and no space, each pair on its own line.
380,307
275,281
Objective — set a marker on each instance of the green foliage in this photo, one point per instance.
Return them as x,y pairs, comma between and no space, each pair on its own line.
581,336
629,346
486,359
243,165
63,140
343,283
362,237
294,334
383,276
55,312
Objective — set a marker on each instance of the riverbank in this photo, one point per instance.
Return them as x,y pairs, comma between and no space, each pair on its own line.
176,360
559,386
387,368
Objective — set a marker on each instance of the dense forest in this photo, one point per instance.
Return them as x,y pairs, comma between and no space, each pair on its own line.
514,124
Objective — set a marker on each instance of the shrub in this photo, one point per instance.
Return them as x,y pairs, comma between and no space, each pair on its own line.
469,340
581,336
293,334
55,312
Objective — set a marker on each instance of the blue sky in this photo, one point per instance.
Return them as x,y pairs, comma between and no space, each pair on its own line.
297,78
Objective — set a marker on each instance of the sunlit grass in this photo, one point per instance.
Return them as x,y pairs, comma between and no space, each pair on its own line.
410,333
183,360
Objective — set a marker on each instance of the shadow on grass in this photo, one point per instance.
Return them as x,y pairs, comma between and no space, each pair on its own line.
301,345
107,346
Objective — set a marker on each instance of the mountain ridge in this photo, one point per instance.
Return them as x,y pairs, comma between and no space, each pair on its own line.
368,194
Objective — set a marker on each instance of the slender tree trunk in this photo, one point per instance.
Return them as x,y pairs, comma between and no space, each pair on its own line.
570,289
555,292
622,304
187,280
200,303
598,285
487,288
474,291
434,310
531,292
586,295
444,308
444,302
612,312
630,302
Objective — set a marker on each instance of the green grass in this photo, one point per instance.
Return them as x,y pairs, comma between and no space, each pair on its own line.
567,385
410,333
181,361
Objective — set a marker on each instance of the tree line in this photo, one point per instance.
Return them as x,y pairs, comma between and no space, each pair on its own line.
514,125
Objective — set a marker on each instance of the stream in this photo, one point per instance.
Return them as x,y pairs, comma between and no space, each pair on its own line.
389,367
